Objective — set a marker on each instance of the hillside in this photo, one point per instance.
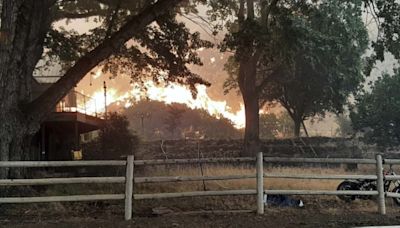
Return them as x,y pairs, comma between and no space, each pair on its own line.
154,120
315,147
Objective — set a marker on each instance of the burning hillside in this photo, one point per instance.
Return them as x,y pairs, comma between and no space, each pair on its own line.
169,94
155,120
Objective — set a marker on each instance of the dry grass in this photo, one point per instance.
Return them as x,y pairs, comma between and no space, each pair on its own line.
224,170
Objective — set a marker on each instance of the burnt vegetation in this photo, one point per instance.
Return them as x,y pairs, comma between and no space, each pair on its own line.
177,121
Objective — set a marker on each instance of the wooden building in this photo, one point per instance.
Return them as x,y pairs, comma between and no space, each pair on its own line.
59,137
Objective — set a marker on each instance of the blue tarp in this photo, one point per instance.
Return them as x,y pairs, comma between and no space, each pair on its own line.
283,201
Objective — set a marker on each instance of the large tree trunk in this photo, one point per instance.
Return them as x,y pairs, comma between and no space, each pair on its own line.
304,128
248,84
297,126
252,132
46,101
24,25
297,118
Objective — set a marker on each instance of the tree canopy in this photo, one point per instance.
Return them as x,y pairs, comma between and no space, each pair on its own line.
161,51
377,112
142,38
275,126
115,140
177,121
326,66
311,60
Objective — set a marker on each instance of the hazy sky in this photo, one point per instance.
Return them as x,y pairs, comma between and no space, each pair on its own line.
212,70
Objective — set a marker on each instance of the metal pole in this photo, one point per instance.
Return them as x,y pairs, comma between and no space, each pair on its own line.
95,107
380,184
129,187
260,184
84,103
201,165
105,99
142,119
42,155
77,136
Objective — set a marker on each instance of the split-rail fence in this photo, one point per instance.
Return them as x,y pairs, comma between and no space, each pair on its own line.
129,179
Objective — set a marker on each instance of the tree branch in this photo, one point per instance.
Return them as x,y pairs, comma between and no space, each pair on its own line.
304,128
68,15
113,17
241,11
269,9
287,107
38,108
250,9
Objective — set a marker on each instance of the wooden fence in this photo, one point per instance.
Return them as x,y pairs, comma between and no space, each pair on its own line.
129,180
259,191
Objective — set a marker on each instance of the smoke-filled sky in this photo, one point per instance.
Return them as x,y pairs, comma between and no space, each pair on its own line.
212,70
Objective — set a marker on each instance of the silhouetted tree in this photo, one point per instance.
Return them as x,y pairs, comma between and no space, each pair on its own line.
115,140
377,112
173,120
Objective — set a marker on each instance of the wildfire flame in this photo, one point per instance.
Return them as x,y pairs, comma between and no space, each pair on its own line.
171,93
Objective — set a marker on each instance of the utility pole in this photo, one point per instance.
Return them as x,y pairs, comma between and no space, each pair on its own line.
142,116
105,99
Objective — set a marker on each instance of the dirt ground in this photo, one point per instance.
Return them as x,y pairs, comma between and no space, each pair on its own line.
276,219
200,212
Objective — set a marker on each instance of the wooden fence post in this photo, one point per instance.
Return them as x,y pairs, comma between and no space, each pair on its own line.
380,184
129,187
260,183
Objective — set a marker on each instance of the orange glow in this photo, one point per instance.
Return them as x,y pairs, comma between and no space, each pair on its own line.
97,74
170,93
96,102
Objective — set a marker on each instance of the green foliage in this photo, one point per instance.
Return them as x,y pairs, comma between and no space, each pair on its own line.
275,126
387,13
115,140
311,60
232,68
172,121
384,13
345,126
161,52
268,126
185,122
377,113
327,64
286,125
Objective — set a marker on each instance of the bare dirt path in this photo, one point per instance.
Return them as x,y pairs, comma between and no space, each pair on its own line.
280,218
319,212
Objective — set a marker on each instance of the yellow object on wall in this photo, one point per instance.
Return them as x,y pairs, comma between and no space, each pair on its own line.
76,154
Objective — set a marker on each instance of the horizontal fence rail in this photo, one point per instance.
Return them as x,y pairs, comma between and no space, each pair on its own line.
392,161
392,177
315,176
198,193
47,199
320,160
66,180
260,192
320,192
126,180
190,178
193,161
28,164
392,194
